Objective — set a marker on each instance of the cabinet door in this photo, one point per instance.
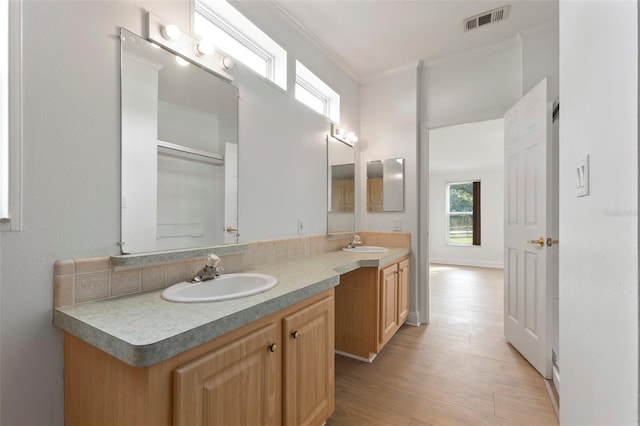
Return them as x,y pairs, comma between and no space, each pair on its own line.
237,384
403,291
388,303
309,364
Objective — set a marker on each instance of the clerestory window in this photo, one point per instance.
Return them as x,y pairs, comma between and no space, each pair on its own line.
316,94
238,37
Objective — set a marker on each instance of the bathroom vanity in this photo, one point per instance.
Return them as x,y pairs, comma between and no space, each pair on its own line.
263,359
371,305
242,377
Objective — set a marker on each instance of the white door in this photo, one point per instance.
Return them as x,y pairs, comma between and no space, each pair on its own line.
530,219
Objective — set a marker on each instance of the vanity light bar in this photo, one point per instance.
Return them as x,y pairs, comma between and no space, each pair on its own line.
343,136
200,52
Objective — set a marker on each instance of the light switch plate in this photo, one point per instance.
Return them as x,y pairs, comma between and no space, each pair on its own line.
582,176
397,225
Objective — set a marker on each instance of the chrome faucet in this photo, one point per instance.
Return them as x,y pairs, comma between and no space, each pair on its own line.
209,271
356,241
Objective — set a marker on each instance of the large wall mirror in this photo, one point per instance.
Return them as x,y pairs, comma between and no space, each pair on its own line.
385,185
179,151
341,187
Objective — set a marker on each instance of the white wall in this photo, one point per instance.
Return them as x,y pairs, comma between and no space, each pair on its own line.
490,253
474,85
389,123
71,182
599,233
484,83
389,130
540,53
285,140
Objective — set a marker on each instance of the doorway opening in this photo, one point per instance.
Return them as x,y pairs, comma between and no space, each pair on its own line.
529,123
466,194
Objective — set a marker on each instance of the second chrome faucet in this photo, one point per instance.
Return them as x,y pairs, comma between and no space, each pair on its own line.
356,241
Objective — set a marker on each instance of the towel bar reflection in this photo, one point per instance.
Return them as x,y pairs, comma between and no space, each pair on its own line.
186,149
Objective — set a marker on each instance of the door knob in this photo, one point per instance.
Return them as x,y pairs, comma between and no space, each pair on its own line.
295,334
231,229
273,347
539,242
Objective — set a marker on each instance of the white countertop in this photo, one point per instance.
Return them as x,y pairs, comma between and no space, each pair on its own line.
144,329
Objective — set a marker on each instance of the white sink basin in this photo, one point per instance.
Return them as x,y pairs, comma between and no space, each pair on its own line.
366,249
225,287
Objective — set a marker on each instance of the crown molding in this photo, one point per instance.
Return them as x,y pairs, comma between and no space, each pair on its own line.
417,66
315,40
471,54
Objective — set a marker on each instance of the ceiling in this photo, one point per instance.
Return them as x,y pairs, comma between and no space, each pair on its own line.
471,146
368,37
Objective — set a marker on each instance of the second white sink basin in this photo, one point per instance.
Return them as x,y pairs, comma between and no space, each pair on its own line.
366,249
224,287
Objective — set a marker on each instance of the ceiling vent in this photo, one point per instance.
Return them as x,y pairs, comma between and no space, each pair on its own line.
486,18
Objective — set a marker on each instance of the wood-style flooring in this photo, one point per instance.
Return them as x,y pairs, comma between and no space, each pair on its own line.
457,370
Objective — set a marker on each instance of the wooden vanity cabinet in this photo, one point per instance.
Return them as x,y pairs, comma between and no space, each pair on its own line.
403,291
394,300
371,305
309,371
388,320
278,370
235,384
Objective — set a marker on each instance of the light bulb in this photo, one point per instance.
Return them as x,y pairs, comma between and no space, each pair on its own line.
204,48
351,136
227,63
340,132
171,32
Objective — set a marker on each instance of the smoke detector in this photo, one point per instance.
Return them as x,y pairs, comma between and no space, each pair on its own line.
486,18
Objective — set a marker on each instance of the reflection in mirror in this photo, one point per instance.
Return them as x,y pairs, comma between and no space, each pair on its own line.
385,185
179,151
341,187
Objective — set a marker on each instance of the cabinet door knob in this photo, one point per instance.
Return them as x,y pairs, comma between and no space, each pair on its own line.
273,347
295,334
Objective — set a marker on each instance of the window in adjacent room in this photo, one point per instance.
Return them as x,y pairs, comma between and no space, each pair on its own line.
316,94
239,38
463,213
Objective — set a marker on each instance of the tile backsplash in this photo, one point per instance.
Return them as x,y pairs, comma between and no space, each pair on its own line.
90,279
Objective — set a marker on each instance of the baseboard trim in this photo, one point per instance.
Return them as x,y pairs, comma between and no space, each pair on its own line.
553,396
359,358
413,319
